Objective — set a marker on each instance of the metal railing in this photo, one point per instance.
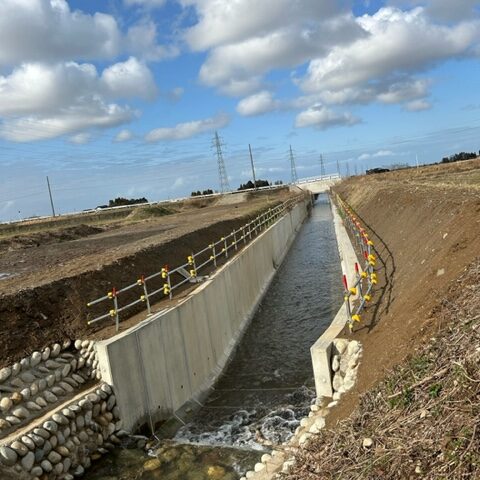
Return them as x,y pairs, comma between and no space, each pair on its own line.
172,279
365,278
333,176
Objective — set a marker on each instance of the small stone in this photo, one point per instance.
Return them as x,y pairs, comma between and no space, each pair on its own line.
35,359
353,347
66,370
78,378
28,460
78,344
52,364
19,448
56,349
54,457
106,388
46,466
336,363
423,413
21,412
27,377
51,380
13,420
259,467
36,471
28,442
5,373
50,426
5,404
340,345
337,382
50,397
33,389
367,442
40,401
58,391
8,456
25,393
60,419
42,433
4,425
46,354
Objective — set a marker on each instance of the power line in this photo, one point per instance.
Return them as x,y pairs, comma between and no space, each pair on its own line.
293,170
222,172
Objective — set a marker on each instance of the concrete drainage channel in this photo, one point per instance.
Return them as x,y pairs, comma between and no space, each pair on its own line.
54,415
335,364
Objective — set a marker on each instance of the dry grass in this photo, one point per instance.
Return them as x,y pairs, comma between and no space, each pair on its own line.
424,417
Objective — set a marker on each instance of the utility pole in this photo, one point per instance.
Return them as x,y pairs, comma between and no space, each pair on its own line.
348,169
222,172
322,167
50,194
253,167
293,169
356,173
338,168
416,159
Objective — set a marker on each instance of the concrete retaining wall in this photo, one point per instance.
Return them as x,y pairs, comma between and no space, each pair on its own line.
321,351
173,357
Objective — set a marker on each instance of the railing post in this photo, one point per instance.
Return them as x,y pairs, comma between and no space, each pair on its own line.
141,281
235,239
214,255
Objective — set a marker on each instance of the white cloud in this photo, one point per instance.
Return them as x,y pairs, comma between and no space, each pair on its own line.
123,136
145,3
444,10
182,131
397,42
47,30
223,22
39,101
175,94
129,79
322,118
379,154
80,138
257,104
141,41
418,105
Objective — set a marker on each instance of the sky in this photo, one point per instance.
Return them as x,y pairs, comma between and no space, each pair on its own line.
123,97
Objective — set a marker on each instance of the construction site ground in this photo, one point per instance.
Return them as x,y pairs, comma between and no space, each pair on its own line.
51,268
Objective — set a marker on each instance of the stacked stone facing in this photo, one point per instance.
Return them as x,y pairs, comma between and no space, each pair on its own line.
37,383
63,446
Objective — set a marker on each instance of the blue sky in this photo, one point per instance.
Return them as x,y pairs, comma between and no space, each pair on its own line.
122,97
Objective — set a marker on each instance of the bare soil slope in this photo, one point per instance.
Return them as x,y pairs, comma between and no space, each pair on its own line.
425,224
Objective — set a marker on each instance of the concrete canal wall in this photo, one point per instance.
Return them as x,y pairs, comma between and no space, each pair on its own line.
175,356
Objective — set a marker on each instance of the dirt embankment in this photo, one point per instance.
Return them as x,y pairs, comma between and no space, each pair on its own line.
425,225
55,272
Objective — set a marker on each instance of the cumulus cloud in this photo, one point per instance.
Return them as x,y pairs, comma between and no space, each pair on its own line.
186,130
39,101
49,31
223,23
257,104
248,38
123,136
392,46
141,40
418,105
322,118
129,79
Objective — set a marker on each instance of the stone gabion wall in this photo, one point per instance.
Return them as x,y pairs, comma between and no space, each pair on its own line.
63,446
345,357
37,383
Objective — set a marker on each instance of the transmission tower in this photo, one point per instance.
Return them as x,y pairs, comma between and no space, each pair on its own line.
348,169
322,166
222,172
292,167
338,168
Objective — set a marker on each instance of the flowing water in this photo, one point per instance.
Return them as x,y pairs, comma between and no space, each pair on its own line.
268,386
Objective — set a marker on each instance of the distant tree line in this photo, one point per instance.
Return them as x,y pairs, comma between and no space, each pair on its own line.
458,157
120,201
209,191
258,184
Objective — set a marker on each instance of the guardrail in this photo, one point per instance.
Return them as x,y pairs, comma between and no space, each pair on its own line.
365,278
334,176
188,272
